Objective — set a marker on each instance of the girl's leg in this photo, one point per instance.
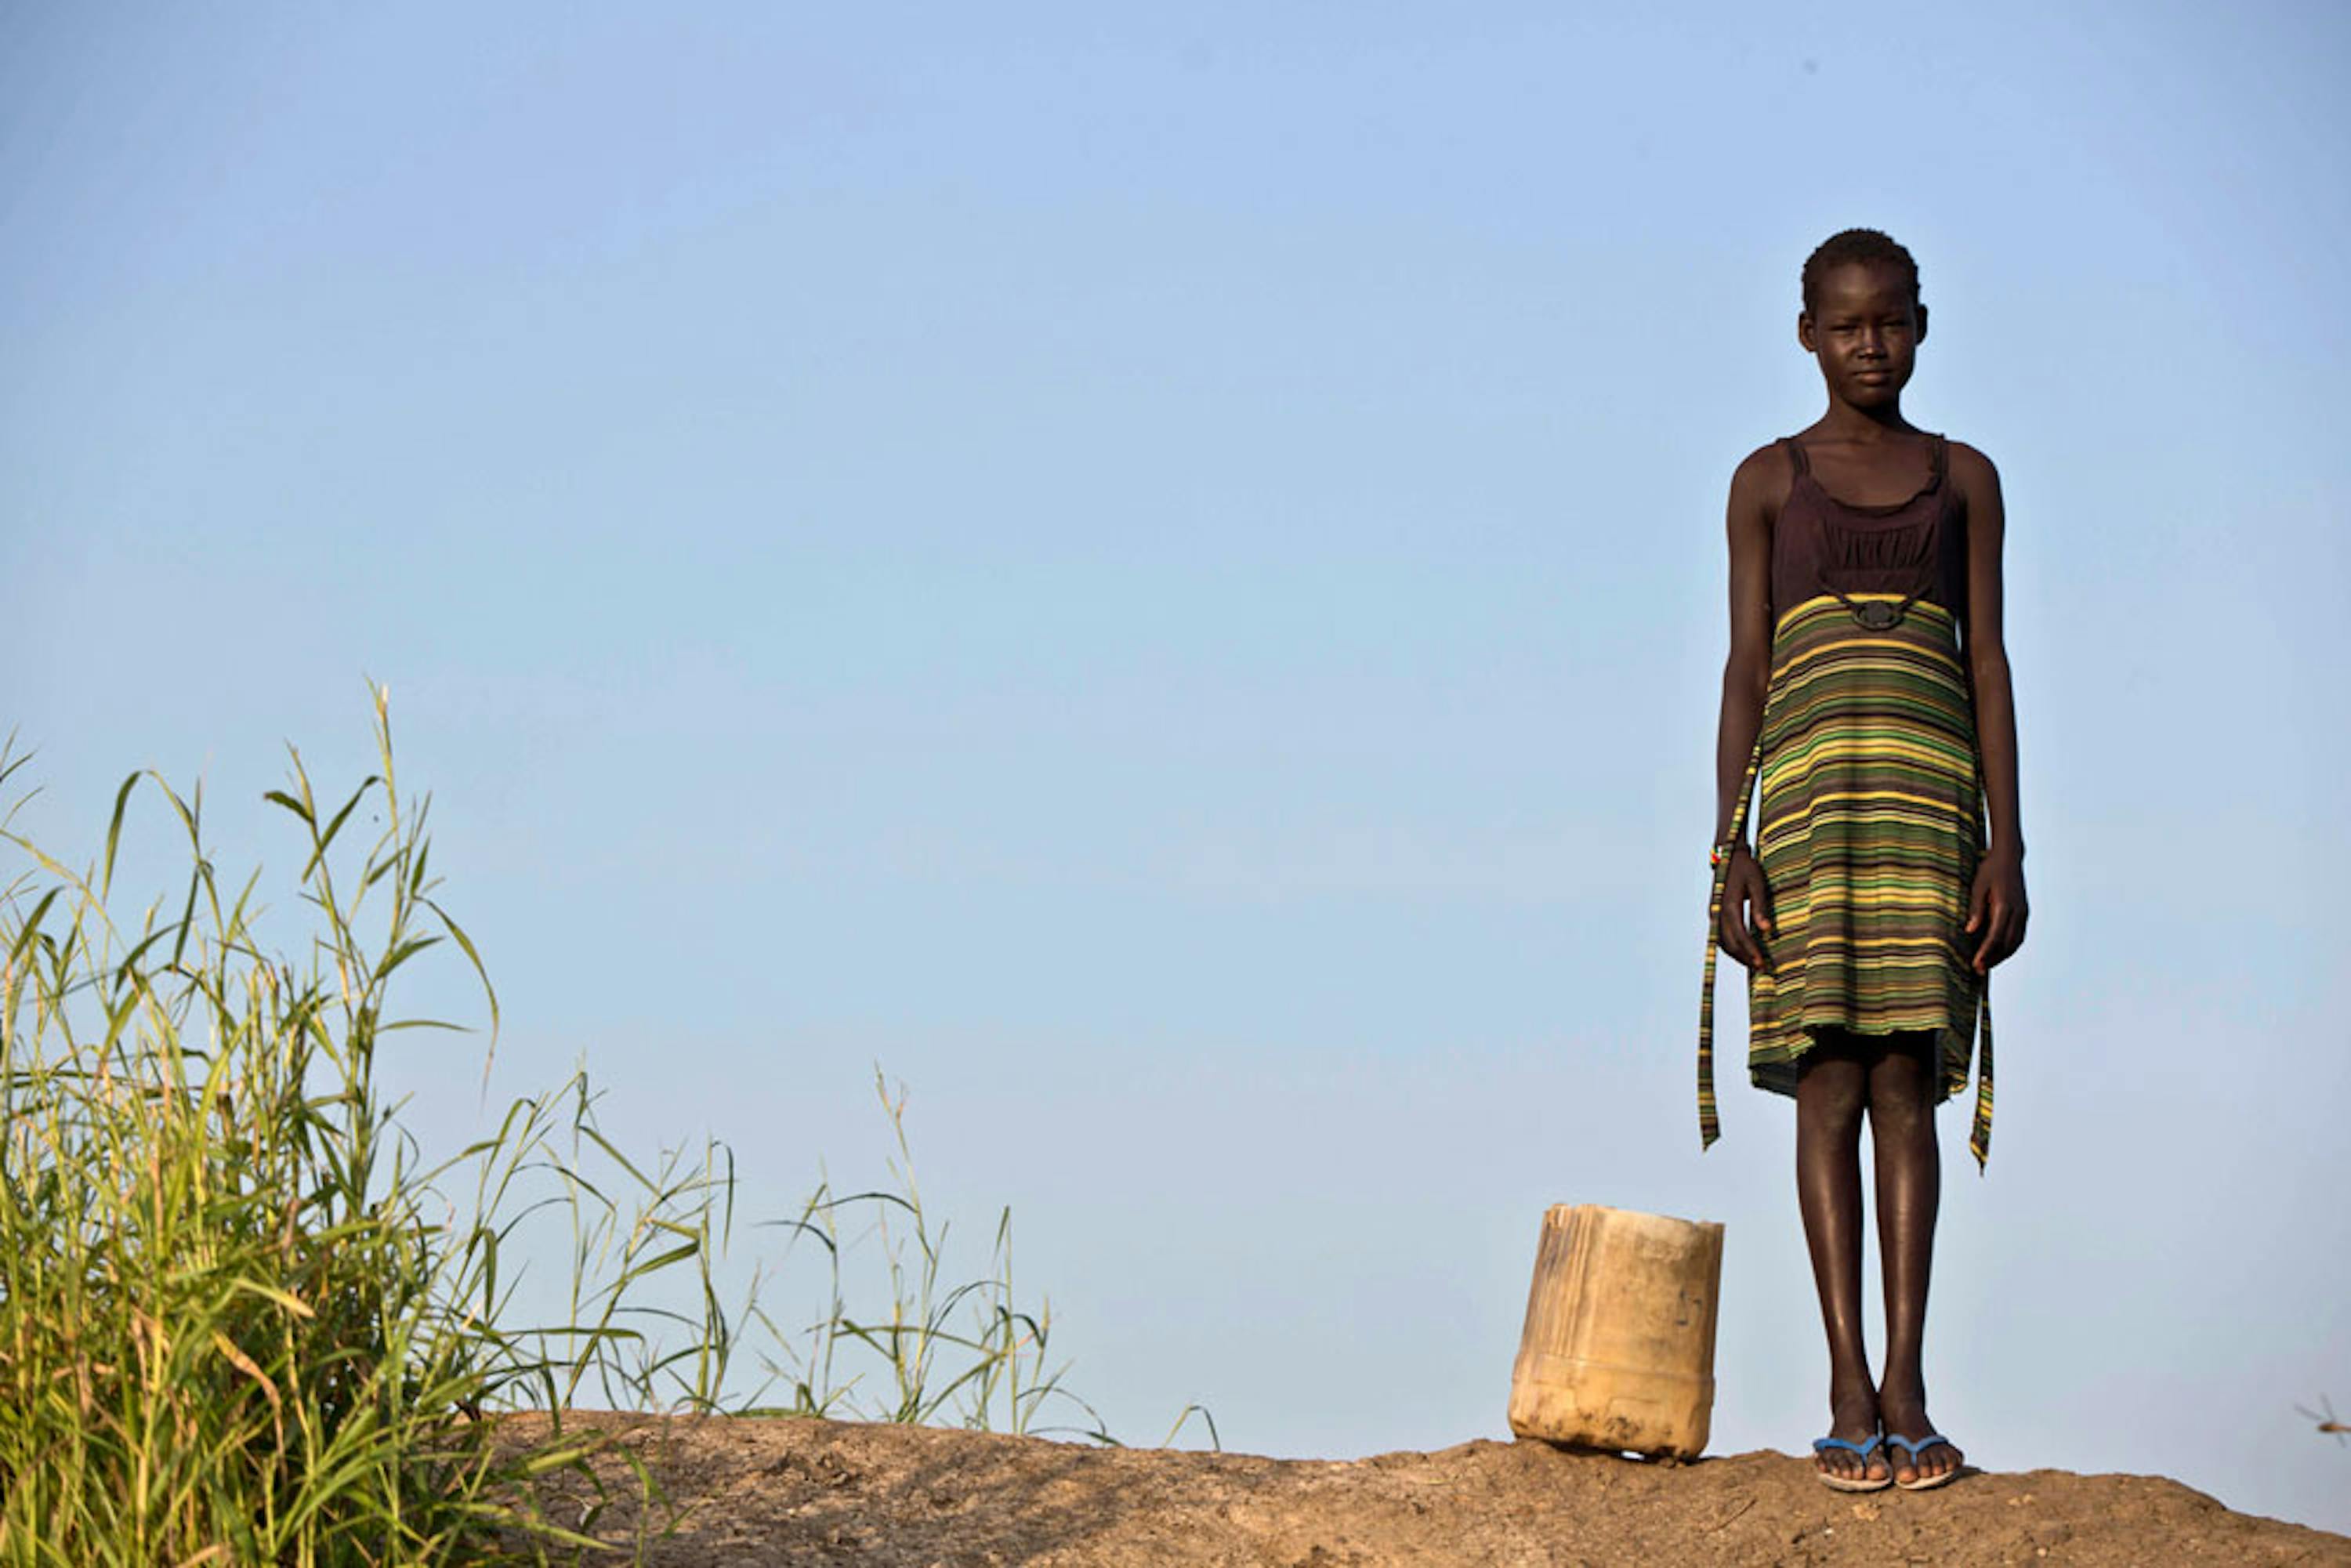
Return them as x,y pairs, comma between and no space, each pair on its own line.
1910,1190
1832,1088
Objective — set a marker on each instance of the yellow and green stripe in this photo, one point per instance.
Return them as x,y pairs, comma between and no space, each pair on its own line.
1871,812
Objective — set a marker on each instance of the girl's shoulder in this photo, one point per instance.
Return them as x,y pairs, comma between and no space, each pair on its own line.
1765,475
1972,472
1963,452
1772,454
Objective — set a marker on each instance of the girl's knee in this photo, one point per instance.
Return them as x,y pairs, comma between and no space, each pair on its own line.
1901,1118
1832,1090
1902,1087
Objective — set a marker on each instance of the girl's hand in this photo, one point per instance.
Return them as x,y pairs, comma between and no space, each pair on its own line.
1996,908
1746,904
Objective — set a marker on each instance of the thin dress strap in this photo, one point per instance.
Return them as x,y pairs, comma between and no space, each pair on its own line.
1796,453
1942,459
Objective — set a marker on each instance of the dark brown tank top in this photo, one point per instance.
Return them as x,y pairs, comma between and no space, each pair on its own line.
1822,545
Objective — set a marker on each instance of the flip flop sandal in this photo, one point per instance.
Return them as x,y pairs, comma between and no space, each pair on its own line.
1855,1483
1925,1483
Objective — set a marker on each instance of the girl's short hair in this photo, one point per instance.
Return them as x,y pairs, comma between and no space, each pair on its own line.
1868,247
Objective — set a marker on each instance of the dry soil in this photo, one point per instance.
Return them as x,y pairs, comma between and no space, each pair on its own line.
742,1491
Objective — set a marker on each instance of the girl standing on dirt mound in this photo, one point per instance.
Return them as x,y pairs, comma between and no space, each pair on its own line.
1869,690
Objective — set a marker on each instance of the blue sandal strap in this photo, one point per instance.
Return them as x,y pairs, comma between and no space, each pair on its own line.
1913,1449
1821,1445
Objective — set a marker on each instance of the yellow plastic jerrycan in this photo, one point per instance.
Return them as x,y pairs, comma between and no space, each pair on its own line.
1618,1348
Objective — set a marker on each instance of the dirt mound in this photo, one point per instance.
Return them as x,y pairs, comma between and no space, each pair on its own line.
743,1490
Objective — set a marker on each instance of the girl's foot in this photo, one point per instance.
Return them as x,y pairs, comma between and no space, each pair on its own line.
1852,1418
1934,1463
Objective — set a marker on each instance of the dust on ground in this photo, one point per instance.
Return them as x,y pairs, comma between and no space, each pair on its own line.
749,1489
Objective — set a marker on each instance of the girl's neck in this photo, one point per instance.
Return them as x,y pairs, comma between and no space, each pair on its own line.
1843,421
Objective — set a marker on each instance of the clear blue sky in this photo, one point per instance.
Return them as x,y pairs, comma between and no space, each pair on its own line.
1161,575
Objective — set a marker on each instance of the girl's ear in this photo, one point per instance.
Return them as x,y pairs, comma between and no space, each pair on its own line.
1804,329
1922,325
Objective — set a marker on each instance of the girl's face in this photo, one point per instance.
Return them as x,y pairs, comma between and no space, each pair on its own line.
1865,331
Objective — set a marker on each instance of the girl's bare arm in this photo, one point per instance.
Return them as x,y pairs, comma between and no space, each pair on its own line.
1746,674
1997,908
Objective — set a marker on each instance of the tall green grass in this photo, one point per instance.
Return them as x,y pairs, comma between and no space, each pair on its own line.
242,1319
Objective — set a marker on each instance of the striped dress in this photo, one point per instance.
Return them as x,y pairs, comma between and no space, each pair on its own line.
1870,823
